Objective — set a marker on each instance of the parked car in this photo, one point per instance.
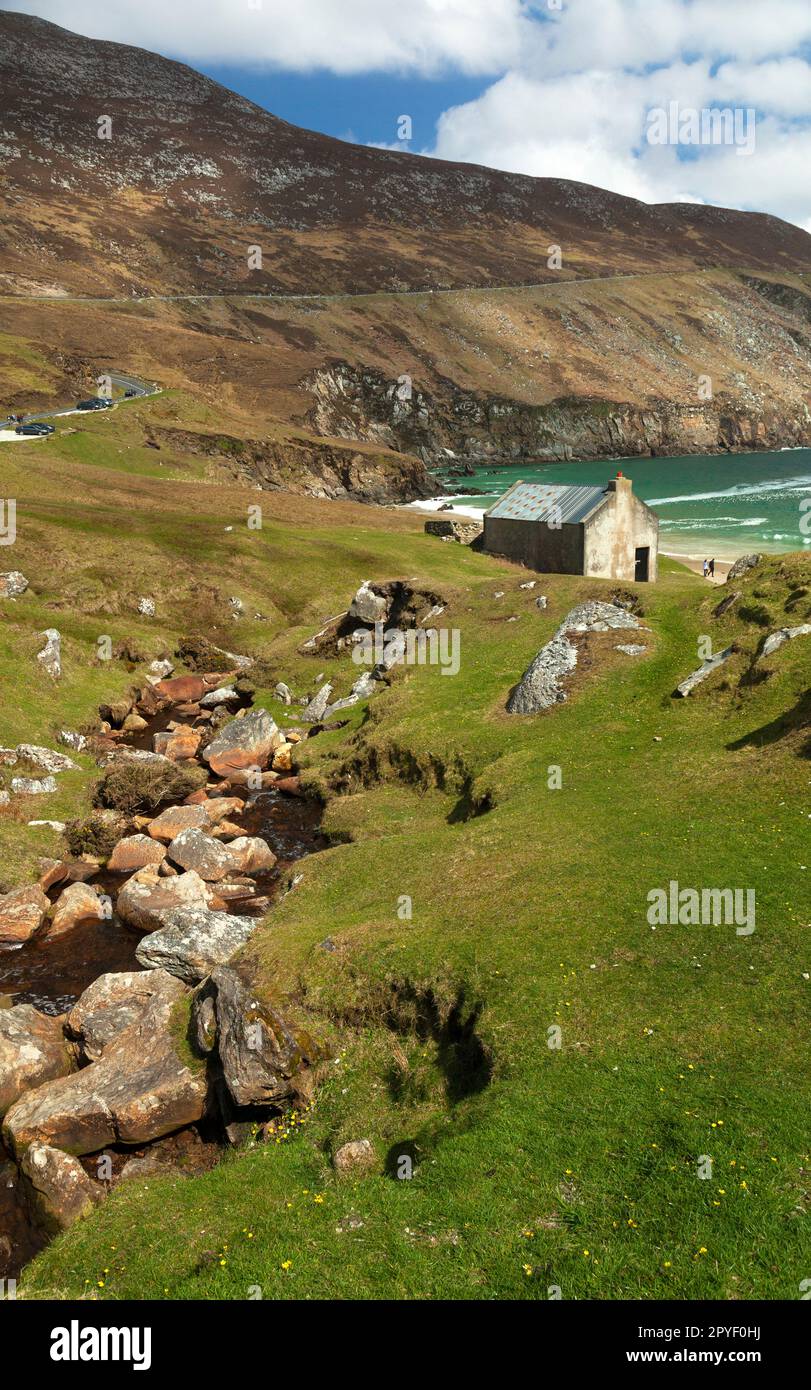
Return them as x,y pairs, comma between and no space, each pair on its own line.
35,427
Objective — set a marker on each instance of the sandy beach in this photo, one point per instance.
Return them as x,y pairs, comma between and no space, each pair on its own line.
722,567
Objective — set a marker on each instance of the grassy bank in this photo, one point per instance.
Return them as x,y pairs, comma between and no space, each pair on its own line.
534,1167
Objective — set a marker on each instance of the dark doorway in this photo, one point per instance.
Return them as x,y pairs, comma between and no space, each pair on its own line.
642,561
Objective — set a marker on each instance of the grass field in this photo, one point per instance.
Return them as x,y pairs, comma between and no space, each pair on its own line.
536,1168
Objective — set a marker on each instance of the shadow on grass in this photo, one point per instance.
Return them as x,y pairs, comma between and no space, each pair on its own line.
794,720
463,1059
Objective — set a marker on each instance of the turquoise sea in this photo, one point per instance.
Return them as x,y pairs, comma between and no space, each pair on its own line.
721,505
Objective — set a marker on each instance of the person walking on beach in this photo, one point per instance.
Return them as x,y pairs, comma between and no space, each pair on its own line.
705,569
712,568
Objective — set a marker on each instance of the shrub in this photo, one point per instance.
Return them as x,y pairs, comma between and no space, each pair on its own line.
133,786
97,834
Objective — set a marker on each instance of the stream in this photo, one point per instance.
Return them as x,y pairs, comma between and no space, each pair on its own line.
51,973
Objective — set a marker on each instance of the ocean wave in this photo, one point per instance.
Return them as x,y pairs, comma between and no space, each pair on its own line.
788,485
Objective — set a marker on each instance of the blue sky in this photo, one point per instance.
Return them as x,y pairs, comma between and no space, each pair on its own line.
569,89
364,108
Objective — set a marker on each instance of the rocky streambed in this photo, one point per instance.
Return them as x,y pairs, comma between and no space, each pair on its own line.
128,1043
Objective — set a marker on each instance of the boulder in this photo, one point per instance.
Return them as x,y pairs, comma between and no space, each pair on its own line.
175,819
254,855
746,562
218,808
355,1158
115,713
32,1050
77,903
77,742
58,1191
368,606
136,852
50,658
109,1006
179,689
315,710
148,900
242,744
33,786
160,669
223,695
140,1089
134,724
12,584
284,693
261,1053
777,639
706,669
539,688
283,758
192,941
194,849
46,759
291,786
178,744
22,912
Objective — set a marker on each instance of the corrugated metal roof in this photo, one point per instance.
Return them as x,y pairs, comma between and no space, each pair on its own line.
540,501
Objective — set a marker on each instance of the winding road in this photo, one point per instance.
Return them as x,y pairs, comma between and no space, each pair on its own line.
120,379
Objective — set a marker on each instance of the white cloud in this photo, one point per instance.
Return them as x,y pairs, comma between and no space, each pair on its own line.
576,106
342,36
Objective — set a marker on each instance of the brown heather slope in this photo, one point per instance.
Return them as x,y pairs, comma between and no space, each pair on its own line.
194,174
600,359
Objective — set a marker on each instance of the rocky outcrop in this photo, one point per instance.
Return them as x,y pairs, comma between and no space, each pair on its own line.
314,712
448,422
742,566
12,584
33,786
32,1050
45,759
314,467
541,686
50,657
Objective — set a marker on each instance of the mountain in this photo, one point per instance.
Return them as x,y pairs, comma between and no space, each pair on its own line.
193,175
668,329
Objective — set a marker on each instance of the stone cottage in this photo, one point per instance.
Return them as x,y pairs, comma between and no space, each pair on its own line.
604,532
